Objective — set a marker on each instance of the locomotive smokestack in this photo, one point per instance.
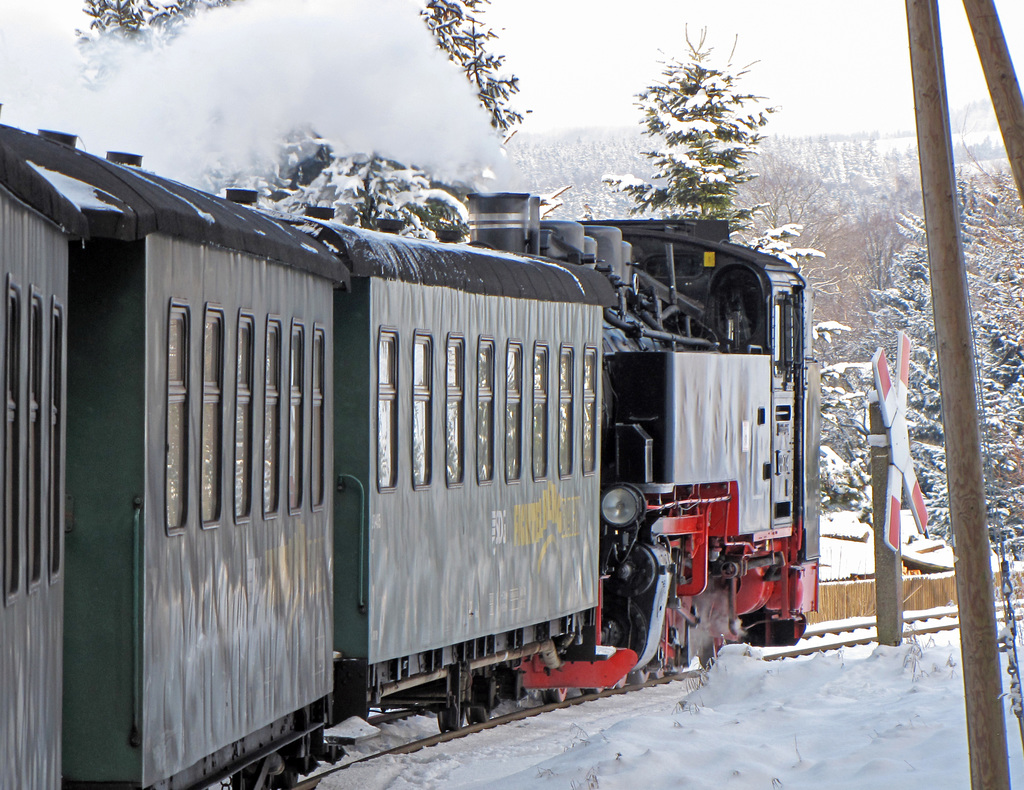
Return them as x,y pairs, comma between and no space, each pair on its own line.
507,221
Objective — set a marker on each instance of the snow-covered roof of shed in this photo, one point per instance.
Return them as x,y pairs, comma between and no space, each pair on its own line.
29,187
466,268
128,203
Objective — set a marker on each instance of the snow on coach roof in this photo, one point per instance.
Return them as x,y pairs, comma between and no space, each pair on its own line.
36,192
127,203
459,266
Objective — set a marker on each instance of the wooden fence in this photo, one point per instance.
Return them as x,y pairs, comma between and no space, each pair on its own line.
856,598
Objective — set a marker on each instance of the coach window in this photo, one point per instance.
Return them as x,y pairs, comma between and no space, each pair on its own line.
566,359
213,410
243,418
540,411
422,348
177,416
485,411
296,400
272,419
317,451
513,412
12,443
455,408
589,410
56,435
34,467
387,410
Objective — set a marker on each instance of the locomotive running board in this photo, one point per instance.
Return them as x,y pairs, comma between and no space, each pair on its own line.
601,673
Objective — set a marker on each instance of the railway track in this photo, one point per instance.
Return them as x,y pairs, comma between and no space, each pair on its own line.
829,636
818,639
693,678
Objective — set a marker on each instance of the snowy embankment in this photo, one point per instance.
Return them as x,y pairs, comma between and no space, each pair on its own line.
860,717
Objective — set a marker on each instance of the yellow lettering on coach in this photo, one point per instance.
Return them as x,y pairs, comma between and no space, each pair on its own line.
552,513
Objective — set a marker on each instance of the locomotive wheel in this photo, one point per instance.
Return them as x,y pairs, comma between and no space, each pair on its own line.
554,696
637,677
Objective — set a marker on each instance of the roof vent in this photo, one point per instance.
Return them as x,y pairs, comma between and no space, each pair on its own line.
122,158
247,197
59,137
319,212
390,225
449,235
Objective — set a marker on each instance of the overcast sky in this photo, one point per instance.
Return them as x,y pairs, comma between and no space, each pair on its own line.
830,65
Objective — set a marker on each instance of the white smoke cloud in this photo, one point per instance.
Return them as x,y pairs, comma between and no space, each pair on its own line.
365,75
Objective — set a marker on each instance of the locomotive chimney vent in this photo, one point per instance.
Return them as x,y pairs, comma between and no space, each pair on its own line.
247,197
124,158
319,212
59,137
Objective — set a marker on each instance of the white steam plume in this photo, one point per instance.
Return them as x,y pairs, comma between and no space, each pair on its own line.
366,76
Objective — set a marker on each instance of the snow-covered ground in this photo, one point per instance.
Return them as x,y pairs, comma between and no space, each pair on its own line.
860,717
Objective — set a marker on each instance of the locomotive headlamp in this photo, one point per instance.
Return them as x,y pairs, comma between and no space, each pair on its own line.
622,505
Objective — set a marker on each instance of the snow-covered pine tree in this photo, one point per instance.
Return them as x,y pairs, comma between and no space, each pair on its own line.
704,130
132,18
127,17
363,189
845,465
461,32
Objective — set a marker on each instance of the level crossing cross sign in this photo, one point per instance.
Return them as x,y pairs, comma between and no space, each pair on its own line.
892,403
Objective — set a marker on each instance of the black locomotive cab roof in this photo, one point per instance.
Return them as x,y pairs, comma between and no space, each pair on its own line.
460,266
29,187
128,203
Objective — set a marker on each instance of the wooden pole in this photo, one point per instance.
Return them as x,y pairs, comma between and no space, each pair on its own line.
888,563
986,730
1002,81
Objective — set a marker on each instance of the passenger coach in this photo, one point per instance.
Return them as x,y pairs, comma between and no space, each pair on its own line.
198,617
467,387
35,223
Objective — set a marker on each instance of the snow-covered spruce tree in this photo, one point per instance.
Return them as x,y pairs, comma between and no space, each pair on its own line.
845,462
133,18
907,306
460,31
704,130
363,189
993,232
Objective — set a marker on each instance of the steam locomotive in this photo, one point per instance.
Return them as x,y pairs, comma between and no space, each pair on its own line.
263,472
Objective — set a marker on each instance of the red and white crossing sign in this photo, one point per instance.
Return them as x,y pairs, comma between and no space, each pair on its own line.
892,403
